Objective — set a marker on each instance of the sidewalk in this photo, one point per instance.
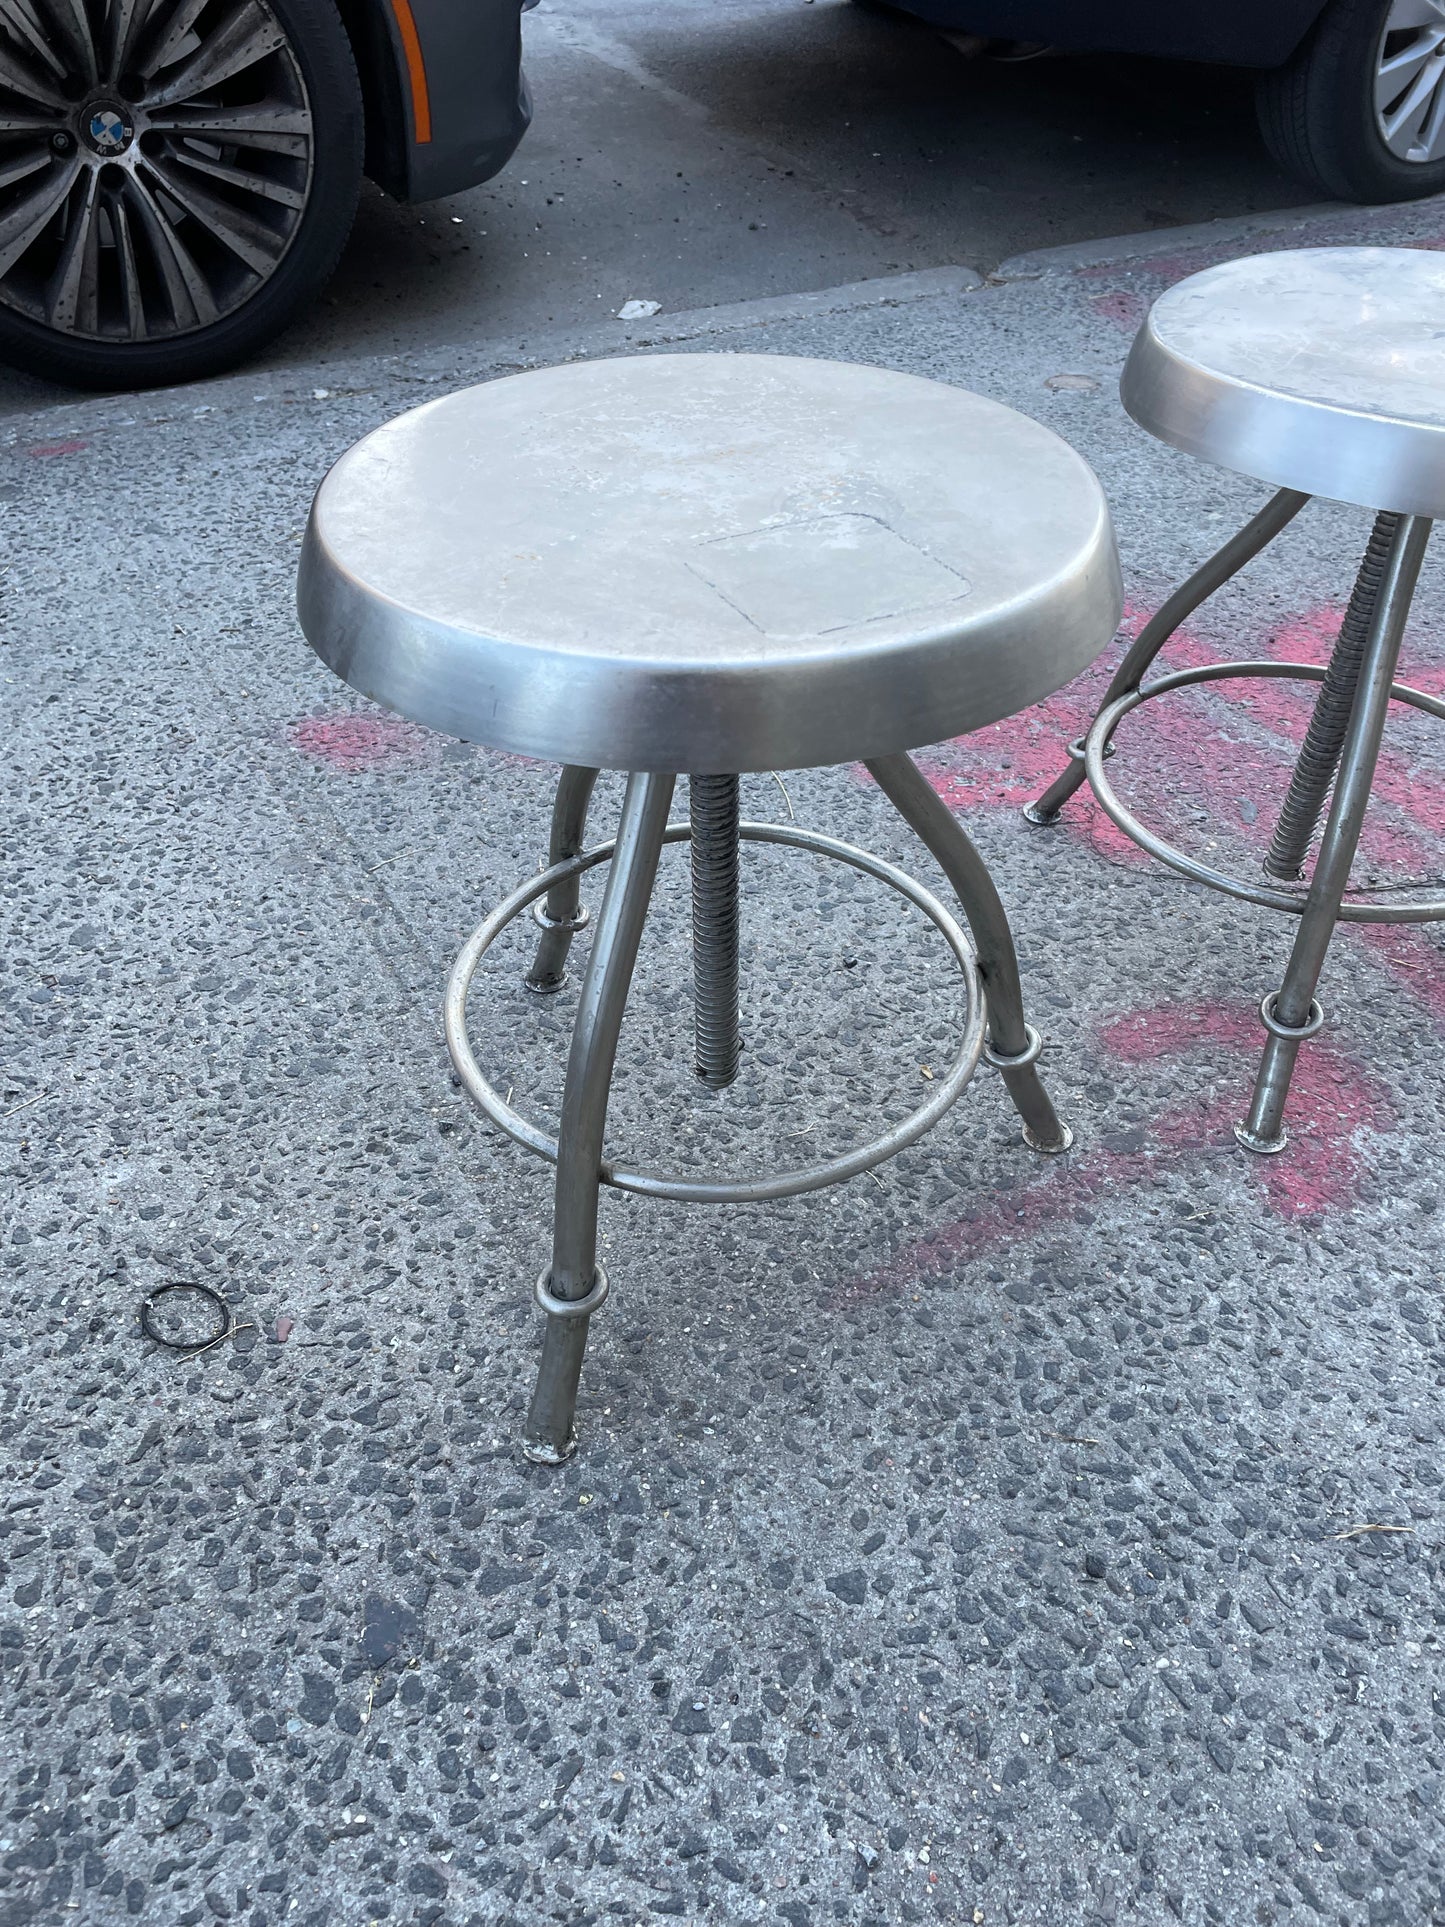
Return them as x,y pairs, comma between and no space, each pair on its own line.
980,1542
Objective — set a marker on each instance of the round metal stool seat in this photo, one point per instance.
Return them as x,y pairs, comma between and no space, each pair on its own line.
1317,369
708,562
705,565
1322,371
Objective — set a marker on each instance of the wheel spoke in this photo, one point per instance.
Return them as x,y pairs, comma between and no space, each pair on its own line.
16,170
72,294
1415,13
246,126
241,178
127,20
189,299
1401,68
19,77
167,50
26,123
248,36
1401,124
1432,131
18,17
24,221
246,238
131,297
73,23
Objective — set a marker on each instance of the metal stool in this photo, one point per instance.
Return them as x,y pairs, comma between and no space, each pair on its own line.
709,563
1321,370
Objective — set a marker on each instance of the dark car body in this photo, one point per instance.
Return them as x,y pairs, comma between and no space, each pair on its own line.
446,103
1239,33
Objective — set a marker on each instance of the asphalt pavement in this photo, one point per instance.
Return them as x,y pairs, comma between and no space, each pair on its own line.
987,1540
712,151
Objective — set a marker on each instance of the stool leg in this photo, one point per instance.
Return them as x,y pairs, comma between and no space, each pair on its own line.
576,1284
1276,514
713,807
1292,1014
1319,755
1014,1045
561,914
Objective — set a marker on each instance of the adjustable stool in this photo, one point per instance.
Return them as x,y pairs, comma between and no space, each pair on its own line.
1321,370
711,564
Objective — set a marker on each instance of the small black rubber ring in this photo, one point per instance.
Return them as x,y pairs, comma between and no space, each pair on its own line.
184,1344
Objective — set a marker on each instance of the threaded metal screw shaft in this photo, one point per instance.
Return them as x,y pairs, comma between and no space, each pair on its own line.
713,805
1319,758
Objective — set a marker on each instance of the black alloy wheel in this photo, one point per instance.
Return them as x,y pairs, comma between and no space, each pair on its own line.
177,179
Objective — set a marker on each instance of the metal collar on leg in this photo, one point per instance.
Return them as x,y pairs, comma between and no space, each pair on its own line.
574,923
591,1300
1292,1033
1030,1053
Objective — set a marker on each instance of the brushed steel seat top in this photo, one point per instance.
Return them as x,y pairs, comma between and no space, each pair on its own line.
1320,369
709,563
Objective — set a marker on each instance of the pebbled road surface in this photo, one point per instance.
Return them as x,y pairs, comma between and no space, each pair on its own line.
993,1541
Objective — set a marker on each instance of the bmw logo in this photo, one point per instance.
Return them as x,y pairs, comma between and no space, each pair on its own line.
108,131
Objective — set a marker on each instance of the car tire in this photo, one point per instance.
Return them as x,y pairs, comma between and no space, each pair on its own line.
1319,115
173,252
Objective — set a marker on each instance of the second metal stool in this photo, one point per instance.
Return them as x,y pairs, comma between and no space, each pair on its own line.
1321,370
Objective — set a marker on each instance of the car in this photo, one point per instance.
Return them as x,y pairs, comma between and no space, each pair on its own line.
179,177
1351,93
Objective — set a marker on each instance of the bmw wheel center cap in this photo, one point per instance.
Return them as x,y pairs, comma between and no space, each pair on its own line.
108,129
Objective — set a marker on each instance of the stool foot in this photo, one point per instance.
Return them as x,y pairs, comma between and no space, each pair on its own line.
550,1437
562,915
1014,1045
576,1284
1280,510
1293,1015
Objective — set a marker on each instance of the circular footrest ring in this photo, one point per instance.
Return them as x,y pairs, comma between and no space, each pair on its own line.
785,1184
1099,744
593,1299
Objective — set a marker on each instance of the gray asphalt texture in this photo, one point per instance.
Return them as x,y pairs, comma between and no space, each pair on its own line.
723,150
980,1542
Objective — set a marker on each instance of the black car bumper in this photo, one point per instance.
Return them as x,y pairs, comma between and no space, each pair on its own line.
459,103
1238,32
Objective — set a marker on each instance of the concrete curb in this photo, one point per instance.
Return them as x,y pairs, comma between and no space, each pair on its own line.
74,415
1118,248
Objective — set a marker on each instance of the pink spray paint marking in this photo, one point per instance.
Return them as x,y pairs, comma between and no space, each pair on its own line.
355,744
1334,1098
1197,756
42,450
1335,1101
1122,306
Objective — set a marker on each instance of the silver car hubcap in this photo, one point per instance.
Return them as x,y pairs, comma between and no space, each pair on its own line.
155,161
1410,80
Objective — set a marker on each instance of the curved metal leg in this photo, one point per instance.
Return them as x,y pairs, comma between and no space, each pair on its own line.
1014,1045
576,1284
1276,514
562,916
1292,1014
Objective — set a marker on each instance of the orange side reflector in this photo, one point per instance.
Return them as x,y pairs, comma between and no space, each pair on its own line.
416,69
